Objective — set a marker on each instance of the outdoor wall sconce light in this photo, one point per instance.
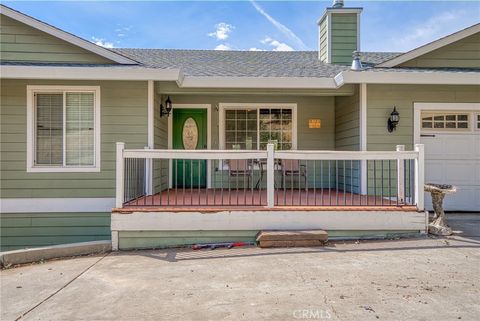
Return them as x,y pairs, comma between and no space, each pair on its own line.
393,120
165,110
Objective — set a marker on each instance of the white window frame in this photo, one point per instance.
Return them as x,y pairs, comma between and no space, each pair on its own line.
31,116
228,106
476,121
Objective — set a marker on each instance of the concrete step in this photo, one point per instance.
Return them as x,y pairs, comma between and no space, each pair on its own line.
292,238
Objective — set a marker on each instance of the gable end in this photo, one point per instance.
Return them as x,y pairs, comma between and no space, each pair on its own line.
25,39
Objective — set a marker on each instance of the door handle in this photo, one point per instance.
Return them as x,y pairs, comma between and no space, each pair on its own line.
427,135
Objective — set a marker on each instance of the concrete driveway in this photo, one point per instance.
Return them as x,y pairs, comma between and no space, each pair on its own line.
420,279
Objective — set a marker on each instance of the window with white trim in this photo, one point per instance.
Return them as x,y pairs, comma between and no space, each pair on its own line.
255,127
446,121
65,131
478,122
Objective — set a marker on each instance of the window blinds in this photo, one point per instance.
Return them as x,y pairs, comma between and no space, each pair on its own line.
49,129
65,135
79,129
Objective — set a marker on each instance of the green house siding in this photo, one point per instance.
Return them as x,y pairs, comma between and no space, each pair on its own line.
382,98
344,37
160,167
20,42
323,43
23,230
123,118
347,137
464,53
380,102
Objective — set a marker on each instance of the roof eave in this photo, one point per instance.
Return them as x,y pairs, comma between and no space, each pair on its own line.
407,78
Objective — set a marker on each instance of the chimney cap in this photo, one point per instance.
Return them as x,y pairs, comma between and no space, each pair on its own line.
337,4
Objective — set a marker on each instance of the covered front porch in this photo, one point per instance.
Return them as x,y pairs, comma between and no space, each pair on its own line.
221,161
268,189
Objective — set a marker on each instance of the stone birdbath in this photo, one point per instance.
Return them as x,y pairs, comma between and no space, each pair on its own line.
439,224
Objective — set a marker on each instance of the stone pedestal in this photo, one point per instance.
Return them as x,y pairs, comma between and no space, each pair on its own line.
439,224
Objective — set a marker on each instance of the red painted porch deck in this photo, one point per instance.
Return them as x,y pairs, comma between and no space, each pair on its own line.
214,200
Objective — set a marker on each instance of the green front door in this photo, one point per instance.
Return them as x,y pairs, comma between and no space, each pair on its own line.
189,132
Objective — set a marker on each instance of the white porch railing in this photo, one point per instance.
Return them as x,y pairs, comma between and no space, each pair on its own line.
268,178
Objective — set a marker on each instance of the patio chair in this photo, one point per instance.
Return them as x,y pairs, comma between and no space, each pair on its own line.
293,168
240,167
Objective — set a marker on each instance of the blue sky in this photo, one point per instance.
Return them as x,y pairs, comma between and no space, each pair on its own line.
249,25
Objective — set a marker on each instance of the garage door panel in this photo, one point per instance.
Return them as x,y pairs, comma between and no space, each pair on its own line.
459,172
454,158
434,171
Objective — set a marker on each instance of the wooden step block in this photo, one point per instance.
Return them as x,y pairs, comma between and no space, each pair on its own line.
292,238
292,235
299,243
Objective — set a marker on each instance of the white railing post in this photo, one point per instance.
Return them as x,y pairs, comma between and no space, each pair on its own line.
119,177
401,176
148,174
420,176
270,175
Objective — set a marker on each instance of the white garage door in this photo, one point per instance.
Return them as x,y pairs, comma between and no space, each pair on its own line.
452,156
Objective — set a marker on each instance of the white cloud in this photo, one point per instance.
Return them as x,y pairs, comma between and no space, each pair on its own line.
102,42
277,45
282,28
223,47
429,30
256,49
122,31
222,31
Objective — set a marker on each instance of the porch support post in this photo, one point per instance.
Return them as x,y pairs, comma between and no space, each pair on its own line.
270,175
150,135
119,177
400,176
148,174
363,138
420,176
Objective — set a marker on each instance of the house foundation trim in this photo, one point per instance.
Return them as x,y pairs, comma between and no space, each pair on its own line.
56,205
264,220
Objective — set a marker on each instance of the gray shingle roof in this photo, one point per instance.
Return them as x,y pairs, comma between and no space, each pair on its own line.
245,63
236,63
375,58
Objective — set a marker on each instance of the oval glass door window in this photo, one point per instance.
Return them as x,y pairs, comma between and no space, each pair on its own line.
190,134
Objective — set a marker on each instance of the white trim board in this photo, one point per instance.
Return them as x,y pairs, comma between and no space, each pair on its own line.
31,112
89,73
420,51
221,118
262,220
56,205
419,107
68,37
257,82
407,77
208,107
363,136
